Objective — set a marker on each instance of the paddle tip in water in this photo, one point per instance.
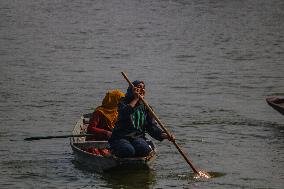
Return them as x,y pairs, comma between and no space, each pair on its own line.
202,175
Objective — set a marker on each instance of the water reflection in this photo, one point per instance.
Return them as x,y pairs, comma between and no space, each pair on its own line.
140,178
122,177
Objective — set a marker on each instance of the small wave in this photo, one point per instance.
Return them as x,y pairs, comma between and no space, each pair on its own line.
239,122
44,103
180,87
184,56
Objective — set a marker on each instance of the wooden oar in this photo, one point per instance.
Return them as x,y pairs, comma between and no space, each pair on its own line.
200,173
59,136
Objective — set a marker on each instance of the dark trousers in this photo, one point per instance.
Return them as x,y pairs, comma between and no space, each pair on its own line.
135,148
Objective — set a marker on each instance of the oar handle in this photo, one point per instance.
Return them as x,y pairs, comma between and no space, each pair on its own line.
162,126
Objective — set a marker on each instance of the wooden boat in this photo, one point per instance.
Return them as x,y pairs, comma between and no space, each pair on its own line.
277,103
103,162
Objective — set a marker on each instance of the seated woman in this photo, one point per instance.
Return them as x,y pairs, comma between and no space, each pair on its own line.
134,120
105,116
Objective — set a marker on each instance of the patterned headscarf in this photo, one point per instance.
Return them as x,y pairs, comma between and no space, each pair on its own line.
109,106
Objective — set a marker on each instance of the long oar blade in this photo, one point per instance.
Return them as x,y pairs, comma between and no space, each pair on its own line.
59,136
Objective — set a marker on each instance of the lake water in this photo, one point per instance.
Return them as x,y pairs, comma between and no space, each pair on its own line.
208,66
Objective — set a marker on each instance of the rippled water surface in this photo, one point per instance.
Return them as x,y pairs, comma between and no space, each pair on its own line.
208,66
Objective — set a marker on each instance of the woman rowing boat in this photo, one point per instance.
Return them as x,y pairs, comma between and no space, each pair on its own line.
134,121
96,154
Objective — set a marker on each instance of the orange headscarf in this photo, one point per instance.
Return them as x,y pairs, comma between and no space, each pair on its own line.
109,106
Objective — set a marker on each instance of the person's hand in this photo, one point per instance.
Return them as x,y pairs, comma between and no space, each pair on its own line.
108,134
170,138
136,92
139,90
142,92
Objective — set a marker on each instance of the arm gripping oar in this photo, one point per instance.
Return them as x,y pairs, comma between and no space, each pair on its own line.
200,173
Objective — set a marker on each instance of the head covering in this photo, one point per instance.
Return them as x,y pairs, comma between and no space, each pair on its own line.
109,106
129,93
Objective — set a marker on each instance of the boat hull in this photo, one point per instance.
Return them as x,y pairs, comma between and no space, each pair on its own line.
100,163
277,103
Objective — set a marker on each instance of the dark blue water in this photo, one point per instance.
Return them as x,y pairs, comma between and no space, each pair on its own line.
208,66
